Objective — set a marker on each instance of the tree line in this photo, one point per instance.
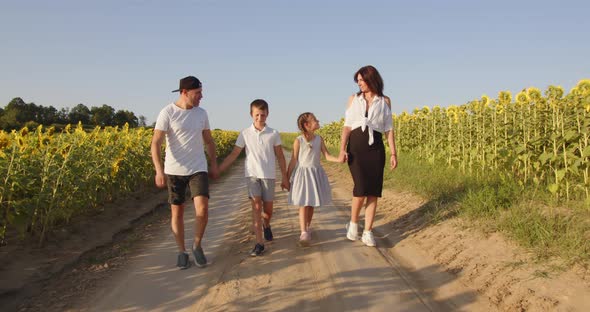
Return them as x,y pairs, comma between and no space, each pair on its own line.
18,114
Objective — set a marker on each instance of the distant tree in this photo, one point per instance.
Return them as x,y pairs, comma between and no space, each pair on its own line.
80,113
123,116
16,113
62,116
47,115
102,116
142,121
8,120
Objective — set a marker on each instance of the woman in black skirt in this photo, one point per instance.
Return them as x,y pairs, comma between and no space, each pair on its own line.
368,117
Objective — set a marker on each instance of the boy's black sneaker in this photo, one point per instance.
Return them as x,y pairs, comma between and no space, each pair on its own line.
257,251
267,233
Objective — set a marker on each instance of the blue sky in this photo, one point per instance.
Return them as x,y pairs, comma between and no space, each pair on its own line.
298,55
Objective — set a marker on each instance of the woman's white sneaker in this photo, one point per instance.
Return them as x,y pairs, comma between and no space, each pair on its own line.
368,239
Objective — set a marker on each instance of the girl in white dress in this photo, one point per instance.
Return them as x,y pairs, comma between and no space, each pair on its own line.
309,186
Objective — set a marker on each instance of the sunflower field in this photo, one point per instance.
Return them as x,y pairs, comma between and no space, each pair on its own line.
47,178
540,139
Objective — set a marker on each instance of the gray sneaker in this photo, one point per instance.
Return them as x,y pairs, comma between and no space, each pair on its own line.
199,255
183,261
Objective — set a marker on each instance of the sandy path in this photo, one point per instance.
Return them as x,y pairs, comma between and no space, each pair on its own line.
333,274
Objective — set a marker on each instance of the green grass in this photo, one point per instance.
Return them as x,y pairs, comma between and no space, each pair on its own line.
497,203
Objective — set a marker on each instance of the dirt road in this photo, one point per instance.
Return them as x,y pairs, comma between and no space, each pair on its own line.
333,274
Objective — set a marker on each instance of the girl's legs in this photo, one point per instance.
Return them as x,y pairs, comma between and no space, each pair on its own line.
257,218
303,218
309,216
370,209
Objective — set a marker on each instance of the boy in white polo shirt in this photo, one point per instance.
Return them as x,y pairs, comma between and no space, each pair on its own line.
263,146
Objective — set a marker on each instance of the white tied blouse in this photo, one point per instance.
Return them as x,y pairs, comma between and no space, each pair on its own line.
379,117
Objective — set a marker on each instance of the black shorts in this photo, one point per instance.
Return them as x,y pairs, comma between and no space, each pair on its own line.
198,184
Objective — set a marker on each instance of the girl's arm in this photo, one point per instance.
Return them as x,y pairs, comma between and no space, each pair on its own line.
326,153
294,158
230,159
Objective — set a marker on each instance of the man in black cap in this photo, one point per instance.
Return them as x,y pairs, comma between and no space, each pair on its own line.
185,127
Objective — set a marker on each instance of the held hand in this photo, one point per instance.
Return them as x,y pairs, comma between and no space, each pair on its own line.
285,185
342,157
393,161
160,180
214,172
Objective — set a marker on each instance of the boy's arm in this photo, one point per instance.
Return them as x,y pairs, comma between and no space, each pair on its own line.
326,153
294,158
156,152
210,146
230,158
282,165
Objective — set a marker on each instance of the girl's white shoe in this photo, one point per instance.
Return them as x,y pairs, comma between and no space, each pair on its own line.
304,239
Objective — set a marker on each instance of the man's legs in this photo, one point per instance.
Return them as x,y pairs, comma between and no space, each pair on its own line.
177,225
201,218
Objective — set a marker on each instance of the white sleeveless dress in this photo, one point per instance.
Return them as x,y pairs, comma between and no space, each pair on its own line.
309,182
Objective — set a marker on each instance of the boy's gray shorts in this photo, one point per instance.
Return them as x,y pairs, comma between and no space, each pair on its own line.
264,188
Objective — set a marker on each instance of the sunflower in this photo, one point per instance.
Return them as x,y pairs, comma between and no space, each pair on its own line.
522,98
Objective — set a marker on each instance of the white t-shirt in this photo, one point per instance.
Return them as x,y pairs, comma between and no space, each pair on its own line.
185,153
260,153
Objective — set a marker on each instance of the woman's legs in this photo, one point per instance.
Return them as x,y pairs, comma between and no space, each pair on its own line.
370,208
357,205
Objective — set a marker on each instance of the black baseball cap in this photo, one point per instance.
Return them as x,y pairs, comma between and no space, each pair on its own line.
188,83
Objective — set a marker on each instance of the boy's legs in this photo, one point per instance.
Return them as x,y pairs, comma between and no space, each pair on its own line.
256,202
267,212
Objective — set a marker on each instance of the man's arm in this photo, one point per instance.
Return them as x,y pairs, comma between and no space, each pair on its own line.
157,140
230,158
